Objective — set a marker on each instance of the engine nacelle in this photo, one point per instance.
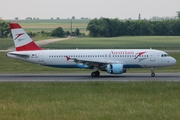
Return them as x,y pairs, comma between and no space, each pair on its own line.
115,69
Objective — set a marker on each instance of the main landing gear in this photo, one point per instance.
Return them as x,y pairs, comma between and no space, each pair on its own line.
152,72
95,73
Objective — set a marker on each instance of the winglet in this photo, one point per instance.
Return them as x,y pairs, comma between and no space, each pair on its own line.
21,39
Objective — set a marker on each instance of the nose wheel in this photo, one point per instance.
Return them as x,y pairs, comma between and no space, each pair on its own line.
152,72
95,74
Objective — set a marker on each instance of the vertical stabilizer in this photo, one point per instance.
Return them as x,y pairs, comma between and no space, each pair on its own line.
21,39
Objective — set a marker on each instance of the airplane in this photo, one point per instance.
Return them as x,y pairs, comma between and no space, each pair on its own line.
113,61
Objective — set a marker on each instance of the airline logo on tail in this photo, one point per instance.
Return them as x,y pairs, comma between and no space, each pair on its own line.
18,35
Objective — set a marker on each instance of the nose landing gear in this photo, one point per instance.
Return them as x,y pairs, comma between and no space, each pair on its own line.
152,72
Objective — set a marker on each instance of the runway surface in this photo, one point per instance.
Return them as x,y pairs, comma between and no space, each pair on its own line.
86,77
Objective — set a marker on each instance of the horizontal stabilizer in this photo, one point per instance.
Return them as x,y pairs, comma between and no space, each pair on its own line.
23,55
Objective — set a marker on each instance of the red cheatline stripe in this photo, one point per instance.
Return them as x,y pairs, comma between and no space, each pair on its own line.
14,25
27,47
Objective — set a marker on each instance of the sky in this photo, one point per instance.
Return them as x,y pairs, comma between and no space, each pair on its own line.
122,9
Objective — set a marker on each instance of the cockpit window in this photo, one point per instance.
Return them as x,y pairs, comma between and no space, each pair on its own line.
164,55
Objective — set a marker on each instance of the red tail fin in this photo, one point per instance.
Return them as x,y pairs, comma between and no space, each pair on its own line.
21,39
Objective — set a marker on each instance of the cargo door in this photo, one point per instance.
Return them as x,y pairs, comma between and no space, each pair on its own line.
41,56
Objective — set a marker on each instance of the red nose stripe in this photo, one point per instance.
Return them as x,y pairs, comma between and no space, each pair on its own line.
27,47
14,26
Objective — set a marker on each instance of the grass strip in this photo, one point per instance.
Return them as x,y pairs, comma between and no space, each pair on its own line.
90,100
124,42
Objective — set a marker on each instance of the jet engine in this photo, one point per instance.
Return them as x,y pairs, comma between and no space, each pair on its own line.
115,68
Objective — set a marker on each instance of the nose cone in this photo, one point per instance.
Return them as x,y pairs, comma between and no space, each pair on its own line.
172,61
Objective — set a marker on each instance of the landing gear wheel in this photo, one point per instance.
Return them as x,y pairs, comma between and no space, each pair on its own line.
153,74
95,74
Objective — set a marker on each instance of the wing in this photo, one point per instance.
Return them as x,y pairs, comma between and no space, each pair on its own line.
98,63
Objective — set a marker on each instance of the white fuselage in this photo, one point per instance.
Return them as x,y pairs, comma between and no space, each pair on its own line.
130,58
113,61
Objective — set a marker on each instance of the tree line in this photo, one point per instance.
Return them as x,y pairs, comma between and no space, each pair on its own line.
5,32
106,27
4,29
